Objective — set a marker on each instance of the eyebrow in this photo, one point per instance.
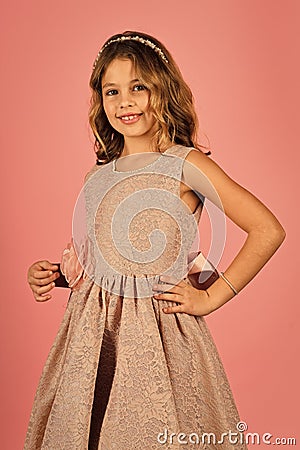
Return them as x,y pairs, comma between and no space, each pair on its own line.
114,84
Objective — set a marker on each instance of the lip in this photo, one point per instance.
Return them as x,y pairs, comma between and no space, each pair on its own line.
130,118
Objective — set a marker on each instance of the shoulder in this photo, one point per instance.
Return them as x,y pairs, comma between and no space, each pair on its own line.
190,154
203,162
179,150
195,156
94,169
203,174
196,159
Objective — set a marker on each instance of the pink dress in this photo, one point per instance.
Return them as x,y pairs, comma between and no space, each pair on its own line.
122,374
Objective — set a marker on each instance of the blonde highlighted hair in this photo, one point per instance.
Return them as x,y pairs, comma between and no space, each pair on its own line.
171,99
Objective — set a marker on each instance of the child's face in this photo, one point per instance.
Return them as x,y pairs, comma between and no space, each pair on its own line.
126,101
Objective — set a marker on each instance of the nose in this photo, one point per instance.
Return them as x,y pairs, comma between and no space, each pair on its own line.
126,100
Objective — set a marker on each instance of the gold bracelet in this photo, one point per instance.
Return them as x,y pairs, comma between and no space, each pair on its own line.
228,282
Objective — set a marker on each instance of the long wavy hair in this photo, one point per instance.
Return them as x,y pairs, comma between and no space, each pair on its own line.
171,99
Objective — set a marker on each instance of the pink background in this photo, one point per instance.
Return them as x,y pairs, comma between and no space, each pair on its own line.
241,59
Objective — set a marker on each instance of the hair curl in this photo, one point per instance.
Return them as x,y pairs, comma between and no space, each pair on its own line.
171,99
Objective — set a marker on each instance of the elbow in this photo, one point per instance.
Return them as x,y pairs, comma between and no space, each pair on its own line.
281,235
275,234
278,232
272,234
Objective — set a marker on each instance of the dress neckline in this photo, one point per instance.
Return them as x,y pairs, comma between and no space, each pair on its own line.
114,169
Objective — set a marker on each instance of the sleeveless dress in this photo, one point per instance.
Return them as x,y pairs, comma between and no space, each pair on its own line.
121,374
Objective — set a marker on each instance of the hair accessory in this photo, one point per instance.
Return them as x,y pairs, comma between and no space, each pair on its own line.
133,38
228,282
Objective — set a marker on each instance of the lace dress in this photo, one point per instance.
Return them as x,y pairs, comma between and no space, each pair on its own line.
122,374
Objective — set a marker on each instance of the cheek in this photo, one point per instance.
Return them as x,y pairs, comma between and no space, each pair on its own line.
149,112
144,102
110,112
107,106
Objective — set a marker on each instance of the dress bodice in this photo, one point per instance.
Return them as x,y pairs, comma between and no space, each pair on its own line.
132,226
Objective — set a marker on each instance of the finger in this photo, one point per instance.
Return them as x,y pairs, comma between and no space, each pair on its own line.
46,265
41,269
42,289
167,288
42,298
170,286
173,309
40,274
169,296
43,281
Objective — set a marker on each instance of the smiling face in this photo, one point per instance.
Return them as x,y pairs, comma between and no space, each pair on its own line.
126,103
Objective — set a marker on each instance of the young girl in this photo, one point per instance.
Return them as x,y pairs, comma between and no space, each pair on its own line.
133,365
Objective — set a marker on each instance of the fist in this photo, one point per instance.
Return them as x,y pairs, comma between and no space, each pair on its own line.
40,277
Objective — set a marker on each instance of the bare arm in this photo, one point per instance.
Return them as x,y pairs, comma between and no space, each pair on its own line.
264,232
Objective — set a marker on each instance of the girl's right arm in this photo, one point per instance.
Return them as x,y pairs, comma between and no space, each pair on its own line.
42,277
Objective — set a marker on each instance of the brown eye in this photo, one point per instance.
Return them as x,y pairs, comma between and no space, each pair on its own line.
139,87
111,92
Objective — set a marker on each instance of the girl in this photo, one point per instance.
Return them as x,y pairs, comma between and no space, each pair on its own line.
134,365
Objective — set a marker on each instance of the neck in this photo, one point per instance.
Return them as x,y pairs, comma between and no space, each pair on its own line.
133,145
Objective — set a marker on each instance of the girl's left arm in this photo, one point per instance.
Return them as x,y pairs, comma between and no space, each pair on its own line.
264,232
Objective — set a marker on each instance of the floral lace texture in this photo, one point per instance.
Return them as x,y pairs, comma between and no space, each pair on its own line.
121,373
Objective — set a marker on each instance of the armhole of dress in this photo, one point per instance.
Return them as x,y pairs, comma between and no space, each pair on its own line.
200,205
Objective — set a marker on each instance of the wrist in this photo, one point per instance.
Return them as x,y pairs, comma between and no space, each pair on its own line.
219,293
211,304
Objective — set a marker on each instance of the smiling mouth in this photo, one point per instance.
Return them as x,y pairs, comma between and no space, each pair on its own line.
130,118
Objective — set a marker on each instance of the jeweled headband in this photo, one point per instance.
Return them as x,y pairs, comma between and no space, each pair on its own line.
133,38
